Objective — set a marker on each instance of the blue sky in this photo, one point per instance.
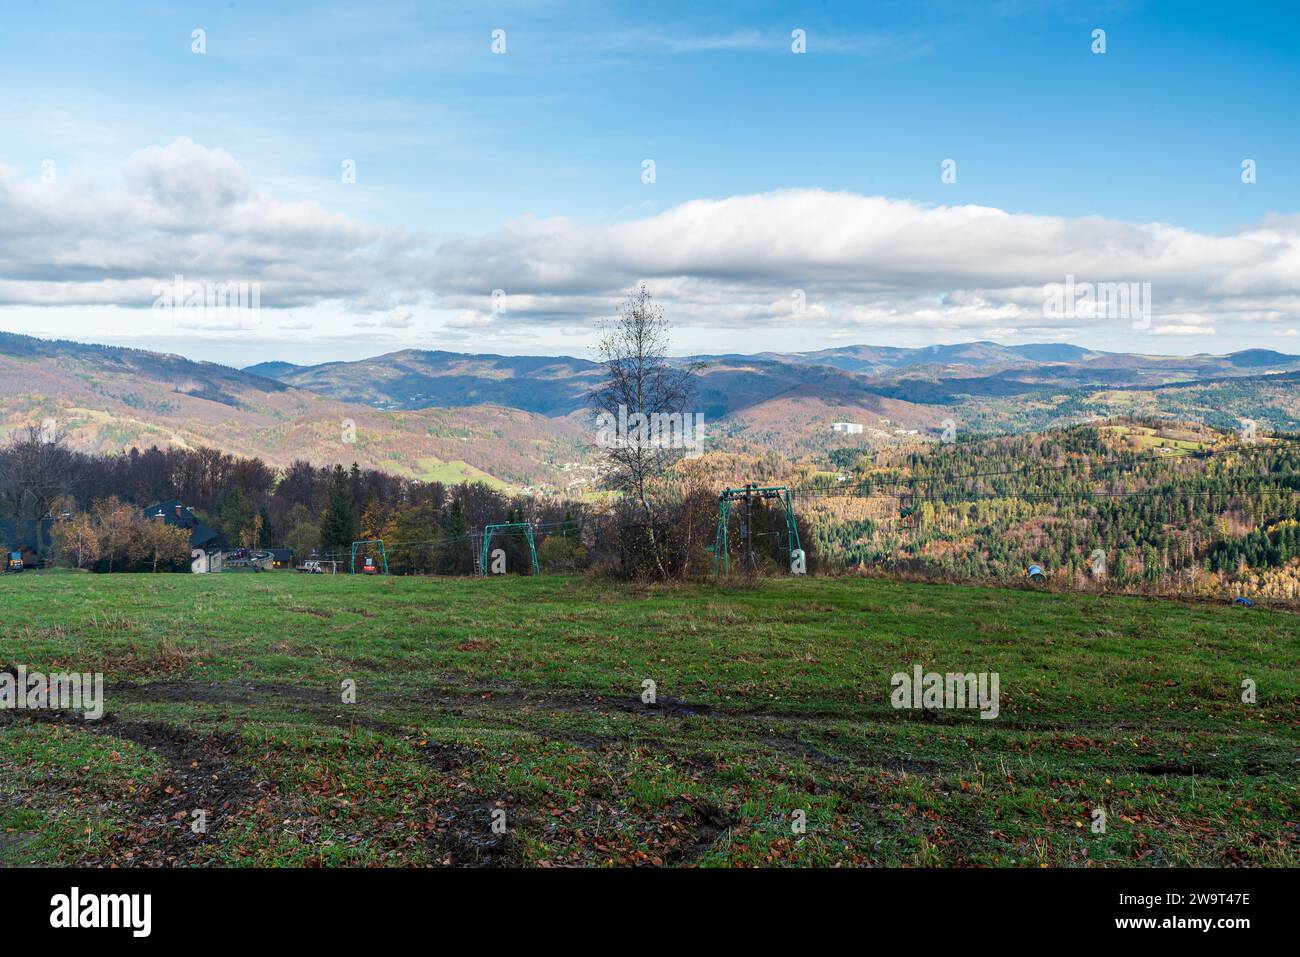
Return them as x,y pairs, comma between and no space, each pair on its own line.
453,144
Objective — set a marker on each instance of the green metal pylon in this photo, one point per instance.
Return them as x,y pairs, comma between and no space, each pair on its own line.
383,553
748,493
510,526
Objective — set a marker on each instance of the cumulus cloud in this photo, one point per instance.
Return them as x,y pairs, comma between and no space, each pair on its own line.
875,263
185,209
842,264
186,175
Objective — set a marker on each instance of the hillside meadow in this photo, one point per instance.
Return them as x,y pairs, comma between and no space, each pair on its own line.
364,721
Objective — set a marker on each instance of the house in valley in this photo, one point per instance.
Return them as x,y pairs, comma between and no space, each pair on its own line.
173,512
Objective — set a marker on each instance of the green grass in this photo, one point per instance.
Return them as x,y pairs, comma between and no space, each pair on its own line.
523,696
433,469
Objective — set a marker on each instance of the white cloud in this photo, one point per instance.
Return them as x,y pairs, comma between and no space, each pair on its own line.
864,265
186,209
875,263
1182,329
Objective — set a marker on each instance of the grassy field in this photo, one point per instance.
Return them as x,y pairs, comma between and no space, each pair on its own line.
524,696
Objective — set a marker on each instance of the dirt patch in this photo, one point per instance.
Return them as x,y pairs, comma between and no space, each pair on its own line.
511,707
1170,770
200,772
220,693
669,706
463,835
201,775
705,822
459,692
444,756
505,705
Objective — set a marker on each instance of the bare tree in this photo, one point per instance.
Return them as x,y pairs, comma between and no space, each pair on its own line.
36,470
640,388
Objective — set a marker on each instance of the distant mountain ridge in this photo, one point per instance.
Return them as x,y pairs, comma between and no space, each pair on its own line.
108,398
523,420
557,385
416,379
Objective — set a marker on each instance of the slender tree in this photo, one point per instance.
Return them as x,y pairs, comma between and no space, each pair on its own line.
639,387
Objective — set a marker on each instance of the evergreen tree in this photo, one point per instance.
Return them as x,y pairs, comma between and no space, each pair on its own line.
235,515
338,529
455,557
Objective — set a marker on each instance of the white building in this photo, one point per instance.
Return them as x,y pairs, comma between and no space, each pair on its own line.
848,428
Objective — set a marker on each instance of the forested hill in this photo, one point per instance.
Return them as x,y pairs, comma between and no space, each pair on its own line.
1123,504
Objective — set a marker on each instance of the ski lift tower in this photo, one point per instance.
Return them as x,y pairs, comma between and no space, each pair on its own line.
523,528
746,495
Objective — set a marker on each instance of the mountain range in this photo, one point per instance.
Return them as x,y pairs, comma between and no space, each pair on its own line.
556,385
521,421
